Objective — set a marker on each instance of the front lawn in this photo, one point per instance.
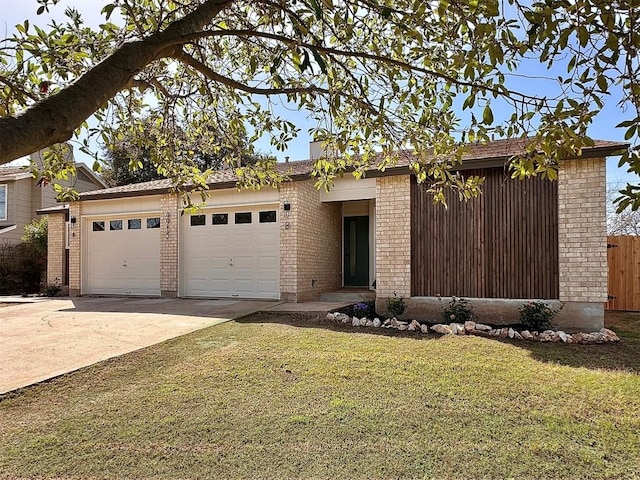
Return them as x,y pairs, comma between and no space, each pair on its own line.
273,396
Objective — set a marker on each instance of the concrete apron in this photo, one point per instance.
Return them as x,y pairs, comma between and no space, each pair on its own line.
49,338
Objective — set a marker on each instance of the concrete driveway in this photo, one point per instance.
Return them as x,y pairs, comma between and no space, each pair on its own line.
50,337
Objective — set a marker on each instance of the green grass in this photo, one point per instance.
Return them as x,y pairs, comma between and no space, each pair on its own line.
281,397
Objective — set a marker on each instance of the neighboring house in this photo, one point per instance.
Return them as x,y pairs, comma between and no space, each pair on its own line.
531,239
21,196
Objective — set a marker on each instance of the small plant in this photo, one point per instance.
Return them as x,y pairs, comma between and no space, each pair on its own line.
364,309
52,290
396,305
458,310
536,316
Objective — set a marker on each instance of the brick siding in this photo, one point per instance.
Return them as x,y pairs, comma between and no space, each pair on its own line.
169,245
75,267
393,236
310,243
56,226
582,231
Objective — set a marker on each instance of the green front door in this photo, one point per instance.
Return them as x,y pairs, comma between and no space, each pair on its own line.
356,251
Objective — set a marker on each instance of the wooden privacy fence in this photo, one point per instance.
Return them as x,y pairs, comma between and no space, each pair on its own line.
623,258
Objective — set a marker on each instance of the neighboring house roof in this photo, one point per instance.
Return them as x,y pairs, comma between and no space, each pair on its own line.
492,154
12,173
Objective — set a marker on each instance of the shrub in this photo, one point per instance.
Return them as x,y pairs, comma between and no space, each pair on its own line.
536,316
396,305
364,309
458,310
21,268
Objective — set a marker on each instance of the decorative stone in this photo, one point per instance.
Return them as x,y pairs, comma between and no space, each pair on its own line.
545,337
470,326
443,329
494,332
562,335
342,317
402,327
504,333
330,316
517,336
424,328
377,323
483,328
457,328
609,335
368,323
511,332
526,334
414,326
355,321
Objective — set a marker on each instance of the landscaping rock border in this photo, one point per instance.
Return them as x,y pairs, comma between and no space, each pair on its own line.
472,328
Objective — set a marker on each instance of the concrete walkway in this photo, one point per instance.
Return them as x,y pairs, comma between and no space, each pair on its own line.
49,337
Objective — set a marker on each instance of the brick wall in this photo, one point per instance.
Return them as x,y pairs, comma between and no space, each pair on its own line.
55,248
582,231
169,245
75,237
393,236
310,243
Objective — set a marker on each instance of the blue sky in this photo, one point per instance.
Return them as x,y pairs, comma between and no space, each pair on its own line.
16,11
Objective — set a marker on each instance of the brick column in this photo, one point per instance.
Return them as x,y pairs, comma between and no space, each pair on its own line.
56,226
75,257
169,245
289,242
393,237
582,243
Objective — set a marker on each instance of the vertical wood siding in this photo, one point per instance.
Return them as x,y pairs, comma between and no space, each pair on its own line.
501,245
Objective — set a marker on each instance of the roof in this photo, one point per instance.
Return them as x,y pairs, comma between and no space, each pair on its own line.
492,154
11,173
19,172
62,208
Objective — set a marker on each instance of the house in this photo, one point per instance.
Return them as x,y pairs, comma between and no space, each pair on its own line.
530,239
21,195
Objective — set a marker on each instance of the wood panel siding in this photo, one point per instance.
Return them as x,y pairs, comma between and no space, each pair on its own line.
501,245
624,273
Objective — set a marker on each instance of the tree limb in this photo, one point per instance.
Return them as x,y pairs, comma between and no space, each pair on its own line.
187,59
55,119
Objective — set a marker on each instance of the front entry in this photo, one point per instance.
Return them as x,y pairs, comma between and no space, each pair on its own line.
356,251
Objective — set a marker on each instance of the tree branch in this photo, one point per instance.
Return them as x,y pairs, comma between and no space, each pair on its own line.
54,119
187,59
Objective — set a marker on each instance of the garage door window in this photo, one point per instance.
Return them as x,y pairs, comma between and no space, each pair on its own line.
98,226
115,225
220,218
197,220
153,222
243,217
134,224
268,216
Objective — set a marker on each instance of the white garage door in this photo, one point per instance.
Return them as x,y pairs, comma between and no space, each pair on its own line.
233,252
122,255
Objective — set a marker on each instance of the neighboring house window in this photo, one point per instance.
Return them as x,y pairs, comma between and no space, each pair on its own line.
153,222
3,202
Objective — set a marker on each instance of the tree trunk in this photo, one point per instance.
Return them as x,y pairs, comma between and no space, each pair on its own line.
54,119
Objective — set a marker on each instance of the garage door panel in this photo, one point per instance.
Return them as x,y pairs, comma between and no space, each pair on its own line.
121,262
236,260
